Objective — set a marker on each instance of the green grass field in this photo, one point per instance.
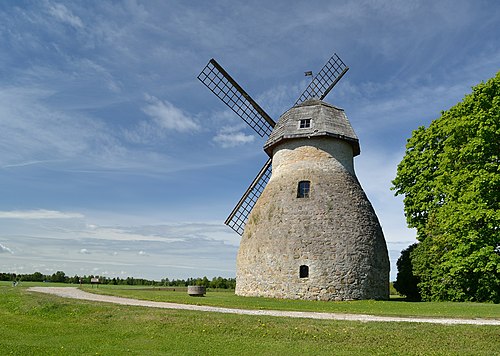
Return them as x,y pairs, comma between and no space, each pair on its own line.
39,324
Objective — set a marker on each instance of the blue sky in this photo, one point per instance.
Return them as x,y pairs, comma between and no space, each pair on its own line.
115,160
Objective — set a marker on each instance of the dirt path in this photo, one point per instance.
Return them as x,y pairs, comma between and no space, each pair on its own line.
71,292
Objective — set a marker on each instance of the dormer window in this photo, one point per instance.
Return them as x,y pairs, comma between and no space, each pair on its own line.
304,123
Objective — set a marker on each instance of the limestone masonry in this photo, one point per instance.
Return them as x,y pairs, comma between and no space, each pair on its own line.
313,234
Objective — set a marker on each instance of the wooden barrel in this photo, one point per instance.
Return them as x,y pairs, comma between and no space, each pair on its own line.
196,291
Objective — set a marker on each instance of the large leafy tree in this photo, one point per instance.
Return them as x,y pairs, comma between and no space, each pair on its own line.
450,179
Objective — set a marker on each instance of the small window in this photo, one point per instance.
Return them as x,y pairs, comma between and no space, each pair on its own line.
304,271
303,189
304,123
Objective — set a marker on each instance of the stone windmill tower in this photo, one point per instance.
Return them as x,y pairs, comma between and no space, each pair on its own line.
308,229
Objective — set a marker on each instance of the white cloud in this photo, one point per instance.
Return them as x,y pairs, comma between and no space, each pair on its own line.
178,250
39,214
60,111
62,13
128,234
169,117
233,135
232,139
27,163
98,73
5,249
34,132
280,98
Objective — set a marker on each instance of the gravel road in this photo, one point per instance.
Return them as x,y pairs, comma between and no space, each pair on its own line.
75,293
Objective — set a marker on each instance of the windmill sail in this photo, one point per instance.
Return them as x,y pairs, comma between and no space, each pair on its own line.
325,80
225,87
239,216
215,78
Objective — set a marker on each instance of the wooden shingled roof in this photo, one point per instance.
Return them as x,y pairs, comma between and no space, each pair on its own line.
326,120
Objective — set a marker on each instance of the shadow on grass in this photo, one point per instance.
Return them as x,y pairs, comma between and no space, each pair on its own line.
398,298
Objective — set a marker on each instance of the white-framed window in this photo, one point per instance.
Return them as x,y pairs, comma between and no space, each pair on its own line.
304,123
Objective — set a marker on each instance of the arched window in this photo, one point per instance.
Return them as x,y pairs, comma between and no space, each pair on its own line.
304,271
303,189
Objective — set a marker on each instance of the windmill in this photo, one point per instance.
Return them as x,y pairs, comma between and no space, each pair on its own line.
308,230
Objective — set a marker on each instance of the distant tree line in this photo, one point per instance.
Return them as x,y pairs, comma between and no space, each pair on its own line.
61,277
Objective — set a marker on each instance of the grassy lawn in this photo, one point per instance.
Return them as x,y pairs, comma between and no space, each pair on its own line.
39,324
394,307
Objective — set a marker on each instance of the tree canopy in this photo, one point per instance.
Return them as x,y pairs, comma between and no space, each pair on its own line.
406,283
450,179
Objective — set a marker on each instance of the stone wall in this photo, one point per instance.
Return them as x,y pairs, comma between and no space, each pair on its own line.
334,232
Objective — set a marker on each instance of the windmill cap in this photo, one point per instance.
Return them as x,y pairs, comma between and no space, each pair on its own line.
325,120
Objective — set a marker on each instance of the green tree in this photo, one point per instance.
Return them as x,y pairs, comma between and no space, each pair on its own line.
59,277
406,282
450,179
38,277
203,282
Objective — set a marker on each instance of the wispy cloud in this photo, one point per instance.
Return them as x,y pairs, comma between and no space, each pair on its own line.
78,131
63,14
33,131
39,214
280,98
128,234
5,249
169,117
231,136
28,163
178,250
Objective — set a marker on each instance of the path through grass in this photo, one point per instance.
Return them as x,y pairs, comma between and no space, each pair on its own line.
224,298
